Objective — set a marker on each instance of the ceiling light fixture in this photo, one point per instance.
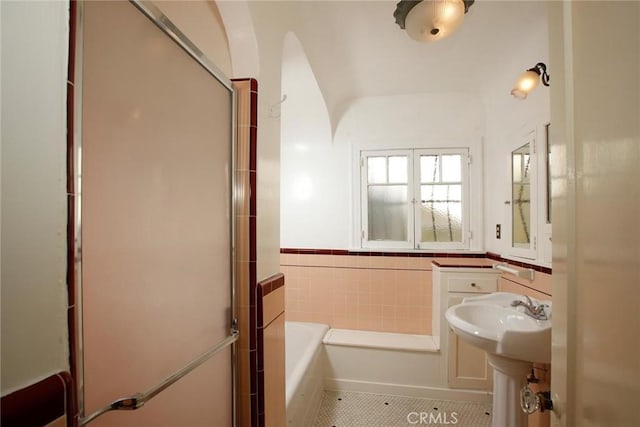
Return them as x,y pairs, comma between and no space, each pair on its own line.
528,80
430,20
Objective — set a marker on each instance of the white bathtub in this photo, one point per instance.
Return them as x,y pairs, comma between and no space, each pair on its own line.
304,370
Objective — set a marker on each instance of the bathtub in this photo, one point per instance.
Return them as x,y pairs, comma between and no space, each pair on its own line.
304,355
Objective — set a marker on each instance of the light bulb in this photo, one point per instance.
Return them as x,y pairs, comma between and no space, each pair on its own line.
526,83
432,20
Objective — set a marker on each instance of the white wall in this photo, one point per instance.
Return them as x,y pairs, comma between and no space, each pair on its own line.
314,166
507,119
315,192
328,169
34,296
269,40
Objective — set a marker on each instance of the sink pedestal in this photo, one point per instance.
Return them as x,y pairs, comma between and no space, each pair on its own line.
509,376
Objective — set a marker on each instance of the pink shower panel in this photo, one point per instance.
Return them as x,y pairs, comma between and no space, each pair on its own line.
156,225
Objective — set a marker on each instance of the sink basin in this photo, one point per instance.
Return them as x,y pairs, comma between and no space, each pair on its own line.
490,323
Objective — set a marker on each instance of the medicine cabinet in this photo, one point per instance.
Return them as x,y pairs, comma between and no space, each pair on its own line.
523,198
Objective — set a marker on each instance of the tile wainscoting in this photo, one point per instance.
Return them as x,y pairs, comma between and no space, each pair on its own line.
379,291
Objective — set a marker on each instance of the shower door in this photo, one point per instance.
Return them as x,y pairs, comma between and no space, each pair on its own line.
153,174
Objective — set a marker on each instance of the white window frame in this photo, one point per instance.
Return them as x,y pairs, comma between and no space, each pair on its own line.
414,230
465,243
364,182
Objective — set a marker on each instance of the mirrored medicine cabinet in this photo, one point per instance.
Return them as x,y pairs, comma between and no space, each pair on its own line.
523,198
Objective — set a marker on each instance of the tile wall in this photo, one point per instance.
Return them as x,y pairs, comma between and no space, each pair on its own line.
245,260
373,293
377,291
388,292
539,288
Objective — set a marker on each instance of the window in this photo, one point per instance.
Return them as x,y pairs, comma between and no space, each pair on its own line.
415,199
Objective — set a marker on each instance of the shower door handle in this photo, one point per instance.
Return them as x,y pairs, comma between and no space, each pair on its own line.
138,400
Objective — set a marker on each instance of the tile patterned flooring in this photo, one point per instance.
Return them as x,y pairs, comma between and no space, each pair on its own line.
353,409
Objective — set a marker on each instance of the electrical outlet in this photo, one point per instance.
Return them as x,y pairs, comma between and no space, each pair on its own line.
498,231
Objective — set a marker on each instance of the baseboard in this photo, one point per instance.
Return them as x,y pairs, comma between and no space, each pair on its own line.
408,390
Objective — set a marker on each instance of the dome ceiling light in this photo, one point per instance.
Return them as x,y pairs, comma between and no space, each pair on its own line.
430,20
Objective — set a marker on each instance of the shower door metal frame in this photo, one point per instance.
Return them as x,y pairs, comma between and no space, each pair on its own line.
136,401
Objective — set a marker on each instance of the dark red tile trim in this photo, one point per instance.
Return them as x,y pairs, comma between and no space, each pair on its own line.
272,283
71,69
39,403
308,251
489,255
71,397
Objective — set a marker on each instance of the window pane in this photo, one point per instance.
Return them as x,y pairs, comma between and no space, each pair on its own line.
429,169
517,167
377,170
398,172
452,168
441,213
388,212
521,206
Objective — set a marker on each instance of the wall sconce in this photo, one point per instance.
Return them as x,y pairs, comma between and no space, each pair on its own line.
430,20
528,80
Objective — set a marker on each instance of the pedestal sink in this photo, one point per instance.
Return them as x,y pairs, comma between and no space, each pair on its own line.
513,340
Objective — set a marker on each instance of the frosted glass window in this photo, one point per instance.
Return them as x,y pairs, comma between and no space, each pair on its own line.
415,199
377,170
517,168
398,170
452,168
387,212
441,213
429,169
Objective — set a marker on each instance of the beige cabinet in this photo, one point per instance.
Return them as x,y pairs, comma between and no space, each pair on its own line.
467,366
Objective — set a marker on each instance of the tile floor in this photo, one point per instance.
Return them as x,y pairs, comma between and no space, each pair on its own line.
352,409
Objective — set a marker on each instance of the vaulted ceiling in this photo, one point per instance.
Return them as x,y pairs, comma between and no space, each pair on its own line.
356,49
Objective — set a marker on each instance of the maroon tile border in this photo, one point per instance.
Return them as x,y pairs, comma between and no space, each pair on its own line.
272,283
40,403
68,377
306,251
489,255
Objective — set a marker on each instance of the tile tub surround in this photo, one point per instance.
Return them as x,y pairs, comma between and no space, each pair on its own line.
388,294
268,365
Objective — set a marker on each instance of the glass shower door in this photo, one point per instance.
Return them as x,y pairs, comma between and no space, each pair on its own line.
155,183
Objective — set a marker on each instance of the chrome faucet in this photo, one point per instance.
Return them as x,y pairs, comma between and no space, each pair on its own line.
533,310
